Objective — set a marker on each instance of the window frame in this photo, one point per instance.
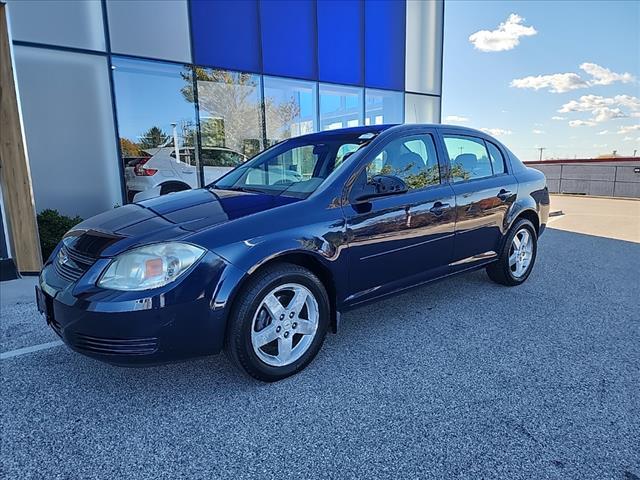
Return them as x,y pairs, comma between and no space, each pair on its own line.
478,139
502,155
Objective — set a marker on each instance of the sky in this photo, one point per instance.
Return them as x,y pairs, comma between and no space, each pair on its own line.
563,75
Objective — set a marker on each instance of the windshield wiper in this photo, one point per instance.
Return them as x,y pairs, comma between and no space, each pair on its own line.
239,189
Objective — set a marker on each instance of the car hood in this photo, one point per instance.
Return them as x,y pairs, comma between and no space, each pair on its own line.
168,217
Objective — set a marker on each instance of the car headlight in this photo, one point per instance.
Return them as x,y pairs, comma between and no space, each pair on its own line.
150,267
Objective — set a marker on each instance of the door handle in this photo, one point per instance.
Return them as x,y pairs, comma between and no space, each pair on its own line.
504,195
439,208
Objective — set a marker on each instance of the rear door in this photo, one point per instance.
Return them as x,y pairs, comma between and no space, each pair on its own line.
484,191
399,240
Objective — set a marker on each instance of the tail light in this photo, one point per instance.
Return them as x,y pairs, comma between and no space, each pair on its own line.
140,171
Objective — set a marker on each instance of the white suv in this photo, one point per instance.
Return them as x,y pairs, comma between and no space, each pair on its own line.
162,173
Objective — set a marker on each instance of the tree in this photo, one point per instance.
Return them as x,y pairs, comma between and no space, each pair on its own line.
153,138
129,148
231,111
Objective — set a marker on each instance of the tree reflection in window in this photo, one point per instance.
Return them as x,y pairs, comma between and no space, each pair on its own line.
411,159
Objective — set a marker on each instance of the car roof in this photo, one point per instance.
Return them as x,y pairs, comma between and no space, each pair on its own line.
376,129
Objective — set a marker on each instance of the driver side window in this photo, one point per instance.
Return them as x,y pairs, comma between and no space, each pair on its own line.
413,159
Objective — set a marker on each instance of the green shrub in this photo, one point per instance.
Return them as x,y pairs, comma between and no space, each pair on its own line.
52,226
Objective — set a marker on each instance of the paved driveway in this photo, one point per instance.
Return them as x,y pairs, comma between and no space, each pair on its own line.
460,379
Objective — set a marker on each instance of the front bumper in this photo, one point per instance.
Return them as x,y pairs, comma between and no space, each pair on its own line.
140,328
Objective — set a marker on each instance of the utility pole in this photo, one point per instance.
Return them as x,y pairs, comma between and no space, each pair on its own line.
635,151
541,149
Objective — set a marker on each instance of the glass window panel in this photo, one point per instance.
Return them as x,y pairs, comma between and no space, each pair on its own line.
150,28
340,55
211,36
424,46
155,104
383,106
421,108
289,38
497,160
68,120
340,106
468,158
290,108
58,22
230,118
413,159
384,44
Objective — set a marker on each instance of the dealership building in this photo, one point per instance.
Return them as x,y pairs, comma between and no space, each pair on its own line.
102,85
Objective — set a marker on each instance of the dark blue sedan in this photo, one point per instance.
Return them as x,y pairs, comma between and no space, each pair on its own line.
262,262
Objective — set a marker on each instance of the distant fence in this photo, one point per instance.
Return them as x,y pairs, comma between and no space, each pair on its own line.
603,177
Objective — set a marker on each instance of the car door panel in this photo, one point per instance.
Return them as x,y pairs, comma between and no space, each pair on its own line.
402,239
482,206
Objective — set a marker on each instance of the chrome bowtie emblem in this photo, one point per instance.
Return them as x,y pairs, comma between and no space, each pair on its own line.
63,258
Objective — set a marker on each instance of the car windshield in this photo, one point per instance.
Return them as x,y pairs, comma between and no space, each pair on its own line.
295,167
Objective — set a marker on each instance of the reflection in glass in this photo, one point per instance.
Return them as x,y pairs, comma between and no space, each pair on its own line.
290,108
383,106
413,159
155,112
468,158
340,106
230,112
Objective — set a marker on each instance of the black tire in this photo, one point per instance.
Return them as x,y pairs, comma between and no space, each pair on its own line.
500,271
238,344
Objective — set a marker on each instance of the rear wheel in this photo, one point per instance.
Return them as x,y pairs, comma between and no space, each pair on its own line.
278,323
518,255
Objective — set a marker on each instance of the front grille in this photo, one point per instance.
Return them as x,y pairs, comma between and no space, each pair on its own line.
113,346
71,264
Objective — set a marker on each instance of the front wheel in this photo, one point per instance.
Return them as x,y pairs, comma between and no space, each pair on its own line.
518,255
278,323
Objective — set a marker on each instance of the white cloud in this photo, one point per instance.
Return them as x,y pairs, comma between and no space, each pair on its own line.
456,118
588,103
627,139
505,37
604,76
565,82
496,132
556,83
581,123
628,129
635,114
537,132
603,132
605,113
558,118
602,108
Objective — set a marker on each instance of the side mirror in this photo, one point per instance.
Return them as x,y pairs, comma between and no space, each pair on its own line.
381,186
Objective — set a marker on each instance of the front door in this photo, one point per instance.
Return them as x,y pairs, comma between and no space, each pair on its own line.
402,239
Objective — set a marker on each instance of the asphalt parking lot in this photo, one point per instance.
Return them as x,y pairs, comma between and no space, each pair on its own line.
459,379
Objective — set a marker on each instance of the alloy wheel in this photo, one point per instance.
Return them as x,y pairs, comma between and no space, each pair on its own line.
521,253
285,324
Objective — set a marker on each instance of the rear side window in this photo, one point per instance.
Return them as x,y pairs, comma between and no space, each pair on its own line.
468,158
497,160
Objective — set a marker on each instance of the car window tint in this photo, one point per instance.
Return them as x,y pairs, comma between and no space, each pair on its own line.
497,160
343,152
295,165
468,158
413,159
